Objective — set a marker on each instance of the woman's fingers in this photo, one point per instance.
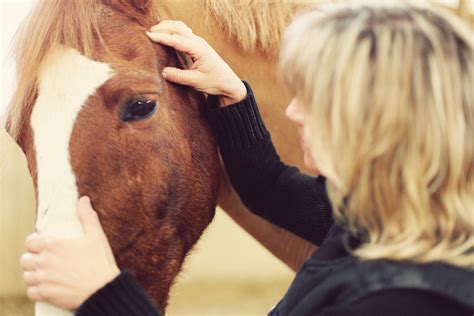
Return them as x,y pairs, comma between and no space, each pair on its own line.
28,261
172,27
33,293
34,243
183,44
176,75
30,278
89,218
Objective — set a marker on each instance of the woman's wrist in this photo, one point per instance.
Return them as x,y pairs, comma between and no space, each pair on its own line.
105,279
236,93
112,274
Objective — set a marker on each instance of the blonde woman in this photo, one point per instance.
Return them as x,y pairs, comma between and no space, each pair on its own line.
384,102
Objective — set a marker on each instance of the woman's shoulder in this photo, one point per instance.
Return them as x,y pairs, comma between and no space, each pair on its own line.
407,302
362,279
348,281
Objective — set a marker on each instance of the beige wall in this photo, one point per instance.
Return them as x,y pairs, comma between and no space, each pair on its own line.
16,213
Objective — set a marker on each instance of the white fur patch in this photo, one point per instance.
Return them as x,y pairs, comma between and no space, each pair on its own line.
66,81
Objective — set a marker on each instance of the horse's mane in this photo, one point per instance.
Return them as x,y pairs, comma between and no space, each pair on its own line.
256,25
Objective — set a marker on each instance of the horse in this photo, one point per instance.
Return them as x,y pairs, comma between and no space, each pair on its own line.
94,117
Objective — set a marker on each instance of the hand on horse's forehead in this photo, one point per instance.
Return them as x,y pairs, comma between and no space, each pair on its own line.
209,74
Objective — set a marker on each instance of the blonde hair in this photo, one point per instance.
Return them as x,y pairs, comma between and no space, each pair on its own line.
390,114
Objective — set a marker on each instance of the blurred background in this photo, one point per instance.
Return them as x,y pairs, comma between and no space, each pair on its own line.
227,273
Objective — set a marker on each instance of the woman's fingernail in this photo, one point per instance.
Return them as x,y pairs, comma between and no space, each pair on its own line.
33,236
84,200
153,35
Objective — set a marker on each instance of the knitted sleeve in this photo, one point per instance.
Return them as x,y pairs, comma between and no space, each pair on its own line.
123,296
268,187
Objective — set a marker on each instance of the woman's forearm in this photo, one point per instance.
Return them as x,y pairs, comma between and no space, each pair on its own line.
268,187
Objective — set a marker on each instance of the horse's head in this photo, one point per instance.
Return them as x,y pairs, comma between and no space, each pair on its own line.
94,117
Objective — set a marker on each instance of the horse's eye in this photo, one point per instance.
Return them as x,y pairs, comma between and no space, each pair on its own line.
138,110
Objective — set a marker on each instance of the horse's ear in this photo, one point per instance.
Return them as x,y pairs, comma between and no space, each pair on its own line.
140,10
143,6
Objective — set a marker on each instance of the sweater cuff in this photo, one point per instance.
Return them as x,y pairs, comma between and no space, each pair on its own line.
238,126
122,296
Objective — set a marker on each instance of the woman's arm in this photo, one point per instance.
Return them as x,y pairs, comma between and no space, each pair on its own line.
407,302
268,187
271,189
123,296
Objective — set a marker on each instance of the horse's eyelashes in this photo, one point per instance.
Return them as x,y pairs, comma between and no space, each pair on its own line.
139,109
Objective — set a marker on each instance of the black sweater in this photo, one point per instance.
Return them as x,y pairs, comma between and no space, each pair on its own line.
285,197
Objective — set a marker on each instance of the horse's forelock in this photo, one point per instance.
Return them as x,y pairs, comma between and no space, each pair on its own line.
50,24
53,23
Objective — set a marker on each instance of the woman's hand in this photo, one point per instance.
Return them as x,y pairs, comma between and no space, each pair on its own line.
65,272
209,73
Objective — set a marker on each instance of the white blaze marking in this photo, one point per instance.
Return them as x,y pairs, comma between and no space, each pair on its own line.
66,80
